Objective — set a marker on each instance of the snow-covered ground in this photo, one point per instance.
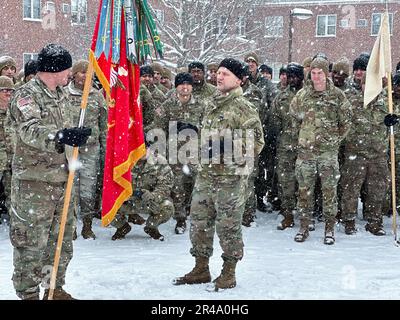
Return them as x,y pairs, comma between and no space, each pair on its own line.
362,266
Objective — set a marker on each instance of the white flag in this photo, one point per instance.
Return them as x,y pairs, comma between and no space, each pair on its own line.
380,62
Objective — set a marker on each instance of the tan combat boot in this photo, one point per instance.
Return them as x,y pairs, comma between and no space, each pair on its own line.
87,232
350,227
329,233
121,232
303,233
226,279
375,228
58,294
199,274
287,222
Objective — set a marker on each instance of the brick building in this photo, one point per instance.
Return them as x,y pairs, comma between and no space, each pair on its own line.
337,28
27,25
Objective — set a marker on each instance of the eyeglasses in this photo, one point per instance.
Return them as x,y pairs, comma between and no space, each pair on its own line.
5,90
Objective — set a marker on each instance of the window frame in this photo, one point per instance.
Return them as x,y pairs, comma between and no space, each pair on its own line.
326,35
274,27
32,11
32,56
79,14
241,26
391,25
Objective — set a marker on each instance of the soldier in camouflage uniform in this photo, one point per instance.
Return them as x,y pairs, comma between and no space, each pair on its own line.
90,156
306,65
340,73
340,78
266,71
8,67
6,90
282,84
323,116
353,89
152,180
158,71
254,95
39,111
365,163
267,161
166,79
149,106
287,144
201,89
219,194
212,69
182,111
29,71
158,97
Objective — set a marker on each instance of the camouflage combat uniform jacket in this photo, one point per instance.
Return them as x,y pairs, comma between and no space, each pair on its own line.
95,115
36,115
323,119
287,136
204,91
232,112
253,94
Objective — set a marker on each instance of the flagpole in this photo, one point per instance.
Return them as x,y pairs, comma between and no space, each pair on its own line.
392,160
70,182
392,146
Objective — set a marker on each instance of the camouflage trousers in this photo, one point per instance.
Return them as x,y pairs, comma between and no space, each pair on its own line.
251,203
218,204
159,211
287,180
182,192
34,225
327,167
5,178
374,175
86,180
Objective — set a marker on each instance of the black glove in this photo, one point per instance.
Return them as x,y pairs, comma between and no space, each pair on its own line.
183,125
75,137
391,119
138,193
60,147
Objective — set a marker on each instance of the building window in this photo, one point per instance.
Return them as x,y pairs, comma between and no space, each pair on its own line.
376,23
326,26
79,11
65,8
362,23
276,66
274,26
159,16
241,26
32,9
29,56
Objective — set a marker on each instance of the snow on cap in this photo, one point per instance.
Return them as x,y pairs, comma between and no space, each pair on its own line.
54,58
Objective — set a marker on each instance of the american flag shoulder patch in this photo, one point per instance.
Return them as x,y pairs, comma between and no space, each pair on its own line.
24,101
25,105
